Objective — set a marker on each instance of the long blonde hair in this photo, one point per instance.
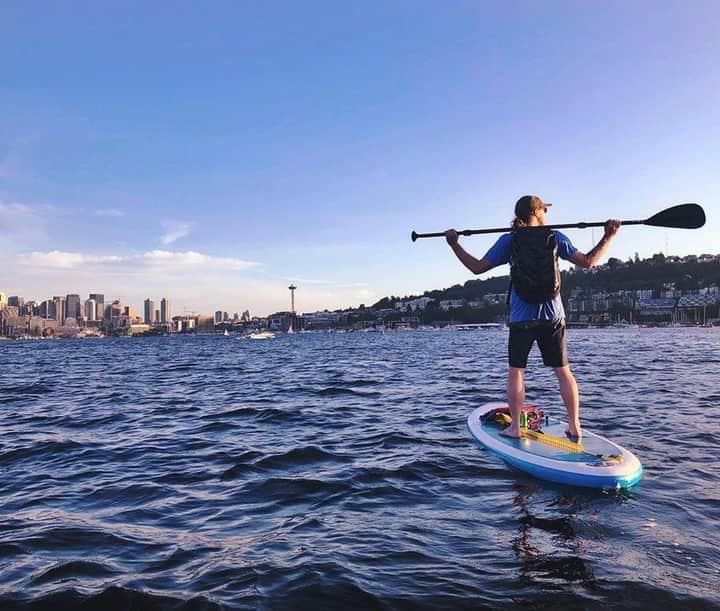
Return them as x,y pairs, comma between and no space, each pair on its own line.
520,221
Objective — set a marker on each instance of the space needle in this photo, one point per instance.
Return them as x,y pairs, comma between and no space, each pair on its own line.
292,288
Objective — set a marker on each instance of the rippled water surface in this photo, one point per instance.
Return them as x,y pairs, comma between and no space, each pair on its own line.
335,471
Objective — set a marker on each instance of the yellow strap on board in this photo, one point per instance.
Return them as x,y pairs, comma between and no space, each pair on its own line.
558,442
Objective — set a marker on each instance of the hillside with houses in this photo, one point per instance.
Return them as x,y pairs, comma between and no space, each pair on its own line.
658,290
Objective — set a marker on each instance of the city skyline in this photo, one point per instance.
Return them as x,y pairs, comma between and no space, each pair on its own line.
164,313
218,155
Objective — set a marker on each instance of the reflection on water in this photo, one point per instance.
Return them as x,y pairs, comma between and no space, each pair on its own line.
549,548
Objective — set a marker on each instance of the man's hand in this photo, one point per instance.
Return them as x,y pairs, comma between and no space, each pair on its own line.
611,227
451,236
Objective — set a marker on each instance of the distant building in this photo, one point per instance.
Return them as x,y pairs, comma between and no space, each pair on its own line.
450,304
15,300
47,309
414,304
218,317
99,299
90,310
11,323
205,324
134,328
113,312
320,320
149,311
183,324
3,300
165,311
73,307
28,308
59,309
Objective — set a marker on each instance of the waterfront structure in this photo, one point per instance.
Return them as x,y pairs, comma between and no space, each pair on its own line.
205,324
165,317
149,311
99,299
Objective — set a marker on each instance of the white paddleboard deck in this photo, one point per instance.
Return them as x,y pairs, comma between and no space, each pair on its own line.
601,464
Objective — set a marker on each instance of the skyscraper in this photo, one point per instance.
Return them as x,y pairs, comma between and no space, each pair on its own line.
47,309
72,307
149,311
165,311
91,310
59,309
99,305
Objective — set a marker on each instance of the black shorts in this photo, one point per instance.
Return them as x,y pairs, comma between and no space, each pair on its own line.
550,336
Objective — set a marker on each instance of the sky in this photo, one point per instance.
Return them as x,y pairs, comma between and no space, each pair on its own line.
213,153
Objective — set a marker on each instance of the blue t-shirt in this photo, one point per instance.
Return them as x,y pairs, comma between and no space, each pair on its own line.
521,310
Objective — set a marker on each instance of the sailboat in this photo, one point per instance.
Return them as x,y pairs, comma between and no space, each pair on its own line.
290,328
226,334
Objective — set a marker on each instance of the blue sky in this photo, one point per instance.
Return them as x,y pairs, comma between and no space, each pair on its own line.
215,153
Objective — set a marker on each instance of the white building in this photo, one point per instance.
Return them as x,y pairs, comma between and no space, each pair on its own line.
414,304
451,304
90,310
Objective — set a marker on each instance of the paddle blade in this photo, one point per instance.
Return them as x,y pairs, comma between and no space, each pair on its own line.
684,216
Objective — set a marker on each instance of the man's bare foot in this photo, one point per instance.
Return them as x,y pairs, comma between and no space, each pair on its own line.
510,432
576,437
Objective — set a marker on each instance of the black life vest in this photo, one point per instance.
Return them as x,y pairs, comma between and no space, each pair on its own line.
534,271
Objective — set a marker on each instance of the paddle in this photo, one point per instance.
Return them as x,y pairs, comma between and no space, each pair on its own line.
682,216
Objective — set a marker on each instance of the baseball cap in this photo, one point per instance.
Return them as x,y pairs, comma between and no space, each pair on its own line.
527,203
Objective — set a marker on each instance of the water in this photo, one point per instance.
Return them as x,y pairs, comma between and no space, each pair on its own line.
335,471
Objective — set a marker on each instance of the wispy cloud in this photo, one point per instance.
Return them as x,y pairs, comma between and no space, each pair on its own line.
109,212
153,261
21,227
174,230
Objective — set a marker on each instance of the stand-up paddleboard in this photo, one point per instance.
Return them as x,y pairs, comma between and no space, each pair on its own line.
545,452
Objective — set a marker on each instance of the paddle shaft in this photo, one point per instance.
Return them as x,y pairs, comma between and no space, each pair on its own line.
467,232
682,216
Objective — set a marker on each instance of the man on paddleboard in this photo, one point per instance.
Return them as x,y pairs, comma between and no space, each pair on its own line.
536,308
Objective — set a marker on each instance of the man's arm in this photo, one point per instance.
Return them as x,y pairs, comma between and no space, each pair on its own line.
476,266
592,258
